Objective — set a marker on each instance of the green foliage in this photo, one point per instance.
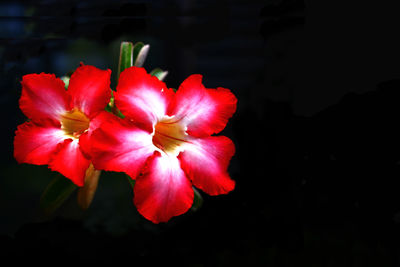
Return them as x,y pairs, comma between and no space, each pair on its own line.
125,56
197,201
159,73
65,79
58,190
139,54
131,181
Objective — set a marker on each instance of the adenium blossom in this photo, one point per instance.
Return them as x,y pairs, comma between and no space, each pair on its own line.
61,121
165,142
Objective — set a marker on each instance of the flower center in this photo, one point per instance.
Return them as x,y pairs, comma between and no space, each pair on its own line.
74,123
169,135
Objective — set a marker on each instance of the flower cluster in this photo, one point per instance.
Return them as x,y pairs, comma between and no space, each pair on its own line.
164,141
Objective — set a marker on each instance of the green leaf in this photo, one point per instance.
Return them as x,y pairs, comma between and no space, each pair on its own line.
117,112
197,201
125,56
109,107
131,181
65,79
111,104
112,108
159,73
140,52
55,194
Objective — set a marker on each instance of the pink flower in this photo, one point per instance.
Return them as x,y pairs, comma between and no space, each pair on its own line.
61,121
165,142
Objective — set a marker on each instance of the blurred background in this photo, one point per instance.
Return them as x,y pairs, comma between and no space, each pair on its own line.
318,150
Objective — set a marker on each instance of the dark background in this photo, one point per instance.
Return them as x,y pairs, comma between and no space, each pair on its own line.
318,147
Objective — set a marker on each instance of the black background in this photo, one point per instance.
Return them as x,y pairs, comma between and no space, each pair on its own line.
318,147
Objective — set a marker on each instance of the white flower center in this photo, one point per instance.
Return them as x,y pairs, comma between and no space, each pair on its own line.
74,123
169,135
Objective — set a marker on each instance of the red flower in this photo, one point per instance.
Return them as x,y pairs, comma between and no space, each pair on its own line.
61,121
165,142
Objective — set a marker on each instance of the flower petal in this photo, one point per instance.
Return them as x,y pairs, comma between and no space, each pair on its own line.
163,191
43,97
35,144
70,162
90,90
204,111
118,145
214,152
84,139
142,97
